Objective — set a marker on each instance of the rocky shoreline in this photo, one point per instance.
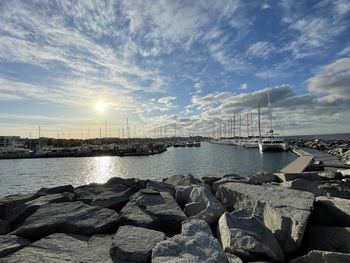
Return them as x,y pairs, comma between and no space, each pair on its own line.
339,148
182,219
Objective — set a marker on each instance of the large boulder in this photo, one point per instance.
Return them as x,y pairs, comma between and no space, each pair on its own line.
161,187
284,211
113,196
303,185
317,256
232,178
201,204
182,180
262,178
11,243
310,176
335,239
70,218
331,211
23,211
7,203
134,244
56,190
335,189
61,247
195,244
246,237
155,210
135,183
4,227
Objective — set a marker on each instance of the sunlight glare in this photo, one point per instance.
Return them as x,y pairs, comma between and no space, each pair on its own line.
101,106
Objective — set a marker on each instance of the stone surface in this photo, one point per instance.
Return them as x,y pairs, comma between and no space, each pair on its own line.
72,218
11,243
229,179
262,178
335,189
7,203
154,210
303,185
56,190
310,176
335,239
108,196
247,238
4,227
23,211
194,244
64,248
134,244
161,187
333,175
135,183
201,204
317,256
182,180
284,211
233,259
345,172
331,211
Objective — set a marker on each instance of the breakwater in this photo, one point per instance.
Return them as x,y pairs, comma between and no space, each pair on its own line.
182,219
339,148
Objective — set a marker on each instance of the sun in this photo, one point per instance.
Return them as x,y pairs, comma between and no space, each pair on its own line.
101,106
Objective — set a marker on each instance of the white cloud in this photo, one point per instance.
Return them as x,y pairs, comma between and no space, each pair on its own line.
260,49
244,86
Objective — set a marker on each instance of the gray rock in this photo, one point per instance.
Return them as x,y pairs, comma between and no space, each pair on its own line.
182,180
135,183
310,176
203,205
335,239
182,194
134,244
331,211
56,190
284,211
70,218
345,172
4,227
64,248
332,175
7,203
154,210
262,178
303,185
317,256
161,187
23,211
111,196
233,179
11,243
247,238
194,244
335,189
233,258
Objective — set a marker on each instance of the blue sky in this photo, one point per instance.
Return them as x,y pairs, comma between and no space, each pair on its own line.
161,63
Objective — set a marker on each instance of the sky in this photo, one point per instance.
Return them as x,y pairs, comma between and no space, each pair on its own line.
173,66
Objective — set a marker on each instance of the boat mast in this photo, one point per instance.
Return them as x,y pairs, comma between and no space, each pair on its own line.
259,123
269,103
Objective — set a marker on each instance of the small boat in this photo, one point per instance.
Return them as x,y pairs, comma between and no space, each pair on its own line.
197,144
189,144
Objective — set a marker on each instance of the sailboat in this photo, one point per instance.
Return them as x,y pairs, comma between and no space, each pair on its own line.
271,142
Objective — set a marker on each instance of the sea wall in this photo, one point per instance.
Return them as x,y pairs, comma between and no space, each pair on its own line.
181,219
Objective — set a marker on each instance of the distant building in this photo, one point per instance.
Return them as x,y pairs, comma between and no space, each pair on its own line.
12,141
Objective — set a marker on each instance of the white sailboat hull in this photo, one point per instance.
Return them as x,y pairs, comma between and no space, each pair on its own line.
263,147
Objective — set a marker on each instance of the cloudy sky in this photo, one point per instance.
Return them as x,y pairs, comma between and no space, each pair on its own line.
166,63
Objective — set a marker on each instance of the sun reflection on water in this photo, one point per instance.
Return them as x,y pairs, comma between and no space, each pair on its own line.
101,169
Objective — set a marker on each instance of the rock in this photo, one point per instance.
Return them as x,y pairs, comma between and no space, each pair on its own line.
135,183
331,212
154,210
303,185
262,178
284,211
335,239
182,194
111,196
332,175
7,203
203,205
194,244
11,243
56,190
229,179
182,180
345,172
70,218
316,256
64,248
4,227
23,211
310,176
247,238
233,259
134,244
161,187
335,189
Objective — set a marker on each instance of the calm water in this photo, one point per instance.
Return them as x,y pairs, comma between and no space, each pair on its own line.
28,175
